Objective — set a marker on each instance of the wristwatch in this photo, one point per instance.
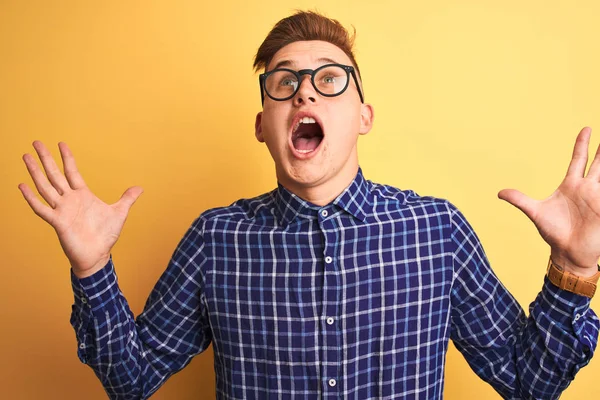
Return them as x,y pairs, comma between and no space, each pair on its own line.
571,282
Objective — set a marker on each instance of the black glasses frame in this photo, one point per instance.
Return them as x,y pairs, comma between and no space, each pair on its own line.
312,72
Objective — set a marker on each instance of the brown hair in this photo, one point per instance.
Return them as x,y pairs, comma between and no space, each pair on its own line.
304,25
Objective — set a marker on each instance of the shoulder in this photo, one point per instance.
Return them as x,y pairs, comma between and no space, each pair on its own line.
247,210
408,201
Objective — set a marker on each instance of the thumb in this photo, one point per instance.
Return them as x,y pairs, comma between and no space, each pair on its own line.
128,198
519,200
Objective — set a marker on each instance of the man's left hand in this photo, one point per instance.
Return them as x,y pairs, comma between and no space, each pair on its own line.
569,220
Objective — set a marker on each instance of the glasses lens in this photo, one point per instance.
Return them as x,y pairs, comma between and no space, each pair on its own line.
281,84
331,80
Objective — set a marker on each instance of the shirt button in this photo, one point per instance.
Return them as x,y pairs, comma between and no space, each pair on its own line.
328,260
577,316
82,346
324,213
332,382
330,321
83,300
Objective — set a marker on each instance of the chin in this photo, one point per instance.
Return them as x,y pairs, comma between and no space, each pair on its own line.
306,175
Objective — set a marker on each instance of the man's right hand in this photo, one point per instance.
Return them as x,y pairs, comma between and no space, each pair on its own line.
87,228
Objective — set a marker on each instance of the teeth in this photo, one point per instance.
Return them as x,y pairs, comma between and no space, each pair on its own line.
304,151
305,120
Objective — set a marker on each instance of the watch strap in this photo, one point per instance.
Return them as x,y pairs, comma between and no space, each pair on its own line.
571,282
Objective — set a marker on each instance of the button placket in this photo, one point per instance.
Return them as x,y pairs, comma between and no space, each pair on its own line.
331,295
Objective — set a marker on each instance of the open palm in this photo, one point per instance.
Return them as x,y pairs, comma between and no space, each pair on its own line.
569,220
87,228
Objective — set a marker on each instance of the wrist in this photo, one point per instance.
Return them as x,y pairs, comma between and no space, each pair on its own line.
84,273
583,268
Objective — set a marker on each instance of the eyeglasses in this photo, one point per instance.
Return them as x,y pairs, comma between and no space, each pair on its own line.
329,80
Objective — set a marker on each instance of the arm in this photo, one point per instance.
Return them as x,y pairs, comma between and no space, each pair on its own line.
521,357
133,358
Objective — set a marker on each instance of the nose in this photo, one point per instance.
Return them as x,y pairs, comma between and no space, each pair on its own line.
306,92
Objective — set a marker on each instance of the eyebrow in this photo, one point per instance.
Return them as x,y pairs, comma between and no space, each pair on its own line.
290,63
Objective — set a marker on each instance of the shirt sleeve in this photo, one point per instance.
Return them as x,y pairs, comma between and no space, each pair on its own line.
534,357
133,358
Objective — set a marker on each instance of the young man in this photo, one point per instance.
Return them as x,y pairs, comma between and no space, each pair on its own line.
330,286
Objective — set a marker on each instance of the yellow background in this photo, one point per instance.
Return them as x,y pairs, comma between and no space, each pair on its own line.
470,97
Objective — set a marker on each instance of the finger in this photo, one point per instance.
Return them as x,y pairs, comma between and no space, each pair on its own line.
71,172
521,201
57,179
42,210
128,198
594,171
46,190
580,154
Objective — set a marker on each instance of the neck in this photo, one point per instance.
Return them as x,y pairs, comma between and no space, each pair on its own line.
325,192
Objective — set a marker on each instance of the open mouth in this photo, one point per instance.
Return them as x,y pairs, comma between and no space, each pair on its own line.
307,135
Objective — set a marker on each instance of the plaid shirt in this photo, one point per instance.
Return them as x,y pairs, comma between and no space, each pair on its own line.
357,299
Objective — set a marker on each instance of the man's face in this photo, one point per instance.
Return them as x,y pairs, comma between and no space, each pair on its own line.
308,154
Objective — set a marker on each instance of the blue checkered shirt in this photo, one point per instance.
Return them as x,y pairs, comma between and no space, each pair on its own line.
354,300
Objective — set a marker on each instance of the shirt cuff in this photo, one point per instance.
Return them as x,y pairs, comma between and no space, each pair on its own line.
91,295
97,290
568,310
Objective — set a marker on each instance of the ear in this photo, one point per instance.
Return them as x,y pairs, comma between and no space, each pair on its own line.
258,128
367,116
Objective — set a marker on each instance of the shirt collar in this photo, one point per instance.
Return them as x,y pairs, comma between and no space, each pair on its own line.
355,200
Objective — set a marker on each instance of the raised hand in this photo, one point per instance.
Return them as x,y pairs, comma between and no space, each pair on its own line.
87,228
569,220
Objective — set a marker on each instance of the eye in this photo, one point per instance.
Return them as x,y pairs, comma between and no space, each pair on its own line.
329,79
288,81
